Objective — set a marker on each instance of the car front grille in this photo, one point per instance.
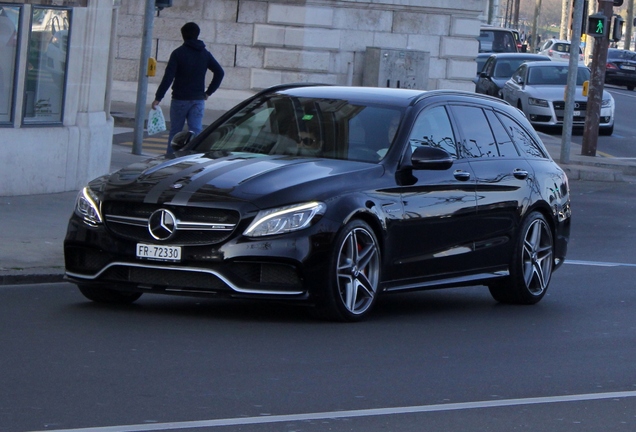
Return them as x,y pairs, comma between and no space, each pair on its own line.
579,105
261,278
196,225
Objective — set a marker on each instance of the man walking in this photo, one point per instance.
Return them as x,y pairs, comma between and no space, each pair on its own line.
187,67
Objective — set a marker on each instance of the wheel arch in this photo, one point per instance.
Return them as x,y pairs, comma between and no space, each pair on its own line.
544,209
371,219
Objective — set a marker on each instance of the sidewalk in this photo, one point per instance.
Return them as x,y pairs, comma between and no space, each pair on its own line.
34,226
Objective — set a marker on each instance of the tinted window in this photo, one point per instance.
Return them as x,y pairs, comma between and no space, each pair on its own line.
523,141
491,40
433,128
477,139
504,143
287,125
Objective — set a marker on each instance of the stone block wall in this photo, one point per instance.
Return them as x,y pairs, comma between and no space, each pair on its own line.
264,43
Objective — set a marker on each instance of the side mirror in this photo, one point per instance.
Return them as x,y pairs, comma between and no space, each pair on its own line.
519,80
181,139
431,158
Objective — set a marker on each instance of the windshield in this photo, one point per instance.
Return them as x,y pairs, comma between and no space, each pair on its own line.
555,75
298,126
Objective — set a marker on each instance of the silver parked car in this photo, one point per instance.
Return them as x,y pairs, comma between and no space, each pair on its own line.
499,68
538,89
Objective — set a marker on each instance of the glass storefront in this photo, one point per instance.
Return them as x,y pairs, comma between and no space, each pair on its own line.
46,65
9,21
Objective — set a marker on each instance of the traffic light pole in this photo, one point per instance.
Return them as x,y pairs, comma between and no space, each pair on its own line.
570,89
142,83
597,83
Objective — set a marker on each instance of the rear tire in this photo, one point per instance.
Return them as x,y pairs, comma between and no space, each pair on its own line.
532,264
108,296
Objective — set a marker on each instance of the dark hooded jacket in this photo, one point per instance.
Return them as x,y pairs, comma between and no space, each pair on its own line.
187,67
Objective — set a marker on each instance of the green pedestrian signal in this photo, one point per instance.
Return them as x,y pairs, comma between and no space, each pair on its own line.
597,25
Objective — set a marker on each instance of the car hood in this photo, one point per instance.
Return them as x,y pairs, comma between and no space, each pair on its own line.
555,92
264,181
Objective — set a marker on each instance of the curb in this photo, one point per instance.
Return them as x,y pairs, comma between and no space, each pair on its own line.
27,279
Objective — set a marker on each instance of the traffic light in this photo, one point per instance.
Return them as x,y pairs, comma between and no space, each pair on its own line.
597,25
583,19
617,28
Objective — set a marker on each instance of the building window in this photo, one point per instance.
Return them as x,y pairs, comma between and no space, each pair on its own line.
9,20
46,65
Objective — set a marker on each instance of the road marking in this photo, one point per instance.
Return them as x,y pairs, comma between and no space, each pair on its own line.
598,263
620,93
241,421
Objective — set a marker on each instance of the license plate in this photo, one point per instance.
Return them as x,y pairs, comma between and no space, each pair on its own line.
629,67
576,114
157,252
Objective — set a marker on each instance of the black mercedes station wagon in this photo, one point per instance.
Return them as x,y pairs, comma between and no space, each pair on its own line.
330,197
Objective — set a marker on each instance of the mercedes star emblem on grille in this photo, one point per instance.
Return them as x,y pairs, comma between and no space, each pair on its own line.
162,224
576,105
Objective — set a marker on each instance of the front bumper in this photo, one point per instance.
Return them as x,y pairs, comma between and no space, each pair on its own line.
282,267
553,114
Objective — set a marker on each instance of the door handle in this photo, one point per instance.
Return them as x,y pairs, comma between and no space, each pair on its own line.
462,175
520,174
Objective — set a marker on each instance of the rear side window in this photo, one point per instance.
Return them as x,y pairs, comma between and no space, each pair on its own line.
483,134
477,138
522,140
505,146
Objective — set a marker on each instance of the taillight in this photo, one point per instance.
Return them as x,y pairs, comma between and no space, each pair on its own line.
610,66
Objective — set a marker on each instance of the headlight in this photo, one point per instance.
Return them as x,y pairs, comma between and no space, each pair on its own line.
538,102
87,207
606,103
284,219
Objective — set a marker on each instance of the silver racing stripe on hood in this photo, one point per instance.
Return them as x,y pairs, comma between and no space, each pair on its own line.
155,193
249,168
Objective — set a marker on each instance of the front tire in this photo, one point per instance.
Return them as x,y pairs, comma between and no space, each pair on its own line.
532,264
606,131
354,274
108,296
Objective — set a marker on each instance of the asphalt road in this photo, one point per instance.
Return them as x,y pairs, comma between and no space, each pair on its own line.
622,143
446,360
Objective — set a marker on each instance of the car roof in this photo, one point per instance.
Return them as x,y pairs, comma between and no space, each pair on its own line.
496,28
398,97
547,63
518,55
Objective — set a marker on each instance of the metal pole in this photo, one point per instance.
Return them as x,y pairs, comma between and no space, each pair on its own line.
627,37
570,89
142,84
535,36
597,83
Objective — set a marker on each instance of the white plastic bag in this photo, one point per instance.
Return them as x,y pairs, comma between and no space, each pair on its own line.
156,121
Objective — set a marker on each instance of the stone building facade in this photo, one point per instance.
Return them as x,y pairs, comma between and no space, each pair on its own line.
269,42
55,127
